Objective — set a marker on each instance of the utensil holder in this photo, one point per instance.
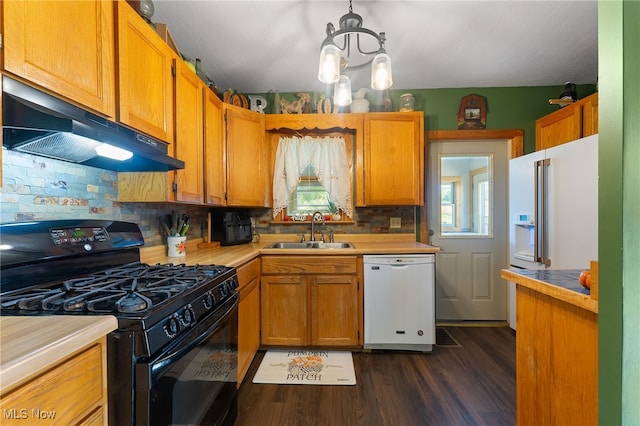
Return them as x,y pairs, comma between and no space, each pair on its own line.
177,246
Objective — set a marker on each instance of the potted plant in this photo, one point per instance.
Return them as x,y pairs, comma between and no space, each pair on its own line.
333,209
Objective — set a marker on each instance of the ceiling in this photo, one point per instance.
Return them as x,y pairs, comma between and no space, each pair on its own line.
262,46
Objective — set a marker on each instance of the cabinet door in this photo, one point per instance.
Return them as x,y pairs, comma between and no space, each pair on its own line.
284,310
246,157
145,82
64,46
215,167
189,134
564,125
394,159
248,316
334,310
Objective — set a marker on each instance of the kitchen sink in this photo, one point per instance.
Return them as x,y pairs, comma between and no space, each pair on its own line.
308,245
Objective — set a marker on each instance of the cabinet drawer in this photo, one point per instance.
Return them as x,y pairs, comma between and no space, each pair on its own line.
309,264
63,394
97,418
248,272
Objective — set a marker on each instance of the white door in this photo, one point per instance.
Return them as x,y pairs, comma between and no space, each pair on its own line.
467,193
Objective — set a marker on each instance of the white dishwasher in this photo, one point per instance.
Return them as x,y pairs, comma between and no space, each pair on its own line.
399,302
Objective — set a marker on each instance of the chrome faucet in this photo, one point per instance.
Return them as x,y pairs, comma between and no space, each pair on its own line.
314,217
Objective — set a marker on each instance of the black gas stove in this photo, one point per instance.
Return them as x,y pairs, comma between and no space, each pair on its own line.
92,267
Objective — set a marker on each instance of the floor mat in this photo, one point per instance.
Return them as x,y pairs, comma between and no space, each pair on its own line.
304,367
443,338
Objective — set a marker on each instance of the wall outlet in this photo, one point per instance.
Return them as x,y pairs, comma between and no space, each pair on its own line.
395,222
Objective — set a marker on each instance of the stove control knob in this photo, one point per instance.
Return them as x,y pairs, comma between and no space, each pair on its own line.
188,316
208,300
224,289
172,327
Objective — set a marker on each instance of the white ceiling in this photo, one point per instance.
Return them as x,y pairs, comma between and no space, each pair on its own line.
262,46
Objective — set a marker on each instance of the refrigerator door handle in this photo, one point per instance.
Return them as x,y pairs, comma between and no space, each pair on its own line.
540,243
537,217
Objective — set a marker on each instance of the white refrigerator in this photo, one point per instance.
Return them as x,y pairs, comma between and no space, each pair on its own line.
553,209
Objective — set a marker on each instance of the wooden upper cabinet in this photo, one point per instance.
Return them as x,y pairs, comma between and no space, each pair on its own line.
590,115
246,158
393,159
562,126
215,167
145,81
567,124
189,134
66,47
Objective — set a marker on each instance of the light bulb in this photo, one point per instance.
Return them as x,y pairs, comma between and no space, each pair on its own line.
381,78
342,92
113,152
329,66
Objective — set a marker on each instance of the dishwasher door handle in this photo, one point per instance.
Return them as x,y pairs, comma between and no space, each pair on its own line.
400,265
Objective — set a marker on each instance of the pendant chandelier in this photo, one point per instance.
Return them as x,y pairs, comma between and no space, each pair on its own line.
353,46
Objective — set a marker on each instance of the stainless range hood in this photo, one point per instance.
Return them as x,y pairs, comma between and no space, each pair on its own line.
37,123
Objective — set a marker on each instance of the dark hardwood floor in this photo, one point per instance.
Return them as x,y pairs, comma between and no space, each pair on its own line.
473,384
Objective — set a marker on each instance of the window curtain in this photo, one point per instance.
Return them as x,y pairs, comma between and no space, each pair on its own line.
327,155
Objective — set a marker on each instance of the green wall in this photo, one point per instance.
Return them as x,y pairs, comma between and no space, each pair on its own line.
631,217
619,213
507,107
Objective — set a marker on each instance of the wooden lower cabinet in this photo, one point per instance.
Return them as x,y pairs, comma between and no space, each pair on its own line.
334,310
310,301
556,361
248,315
74,392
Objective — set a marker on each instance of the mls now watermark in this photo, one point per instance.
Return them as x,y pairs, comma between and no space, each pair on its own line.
24,414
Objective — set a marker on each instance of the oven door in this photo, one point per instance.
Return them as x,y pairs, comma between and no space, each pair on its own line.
193,382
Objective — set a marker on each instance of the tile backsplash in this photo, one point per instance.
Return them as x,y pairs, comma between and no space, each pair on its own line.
38,188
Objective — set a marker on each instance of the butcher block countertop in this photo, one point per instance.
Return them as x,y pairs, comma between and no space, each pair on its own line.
239,254
31,344
560,284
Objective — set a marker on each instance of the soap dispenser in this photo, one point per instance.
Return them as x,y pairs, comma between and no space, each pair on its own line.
359,102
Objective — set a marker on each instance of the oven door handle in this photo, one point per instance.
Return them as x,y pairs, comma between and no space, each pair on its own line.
178,351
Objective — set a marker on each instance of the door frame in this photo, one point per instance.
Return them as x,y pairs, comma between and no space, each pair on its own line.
515,139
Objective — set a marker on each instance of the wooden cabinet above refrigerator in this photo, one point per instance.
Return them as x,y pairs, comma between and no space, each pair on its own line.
575,121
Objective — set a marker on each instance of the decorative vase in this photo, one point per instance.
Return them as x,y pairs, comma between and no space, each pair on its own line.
276,103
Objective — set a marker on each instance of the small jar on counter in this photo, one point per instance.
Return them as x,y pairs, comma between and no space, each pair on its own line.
407,103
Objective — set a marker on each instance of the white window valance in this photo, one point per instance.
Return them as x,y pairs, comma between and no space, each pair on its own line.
327,156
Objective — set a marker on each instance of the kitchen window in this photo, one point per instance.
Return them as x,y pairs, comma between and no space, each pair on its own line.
311,174
309,196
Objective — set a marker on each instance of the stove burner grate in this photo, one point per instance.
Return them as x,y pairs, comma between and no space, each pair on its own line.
133,302
133,288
